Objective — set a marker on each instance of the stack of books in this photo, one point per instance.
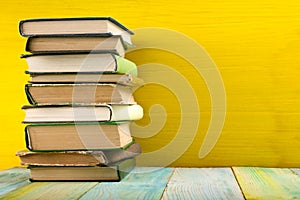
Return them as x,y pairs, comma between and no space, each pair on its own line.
81,102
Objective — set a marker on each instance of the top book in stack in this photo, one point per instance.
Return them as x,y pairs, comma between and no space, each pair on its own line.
99,34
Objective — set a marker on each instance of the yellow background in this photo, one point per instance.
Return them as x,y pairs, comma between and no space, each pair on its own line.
255,44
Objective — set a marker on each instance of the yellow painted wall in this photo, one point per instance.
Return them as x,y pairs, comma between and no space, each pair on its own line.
255,45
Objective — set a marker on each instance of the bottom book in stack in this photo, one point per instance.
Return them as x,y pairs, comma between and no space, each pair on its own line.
100,165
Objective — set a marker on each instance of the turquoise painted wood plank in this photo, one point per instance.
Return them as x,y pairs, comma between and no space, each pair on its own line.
202,183
141,183
13,178
296,170
50,191
268,183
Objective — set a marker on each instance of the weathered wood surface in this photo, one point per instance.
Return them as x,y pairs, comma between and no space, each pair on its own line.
162,183
296,170
12,179
202,183
51,191
268,183
141,183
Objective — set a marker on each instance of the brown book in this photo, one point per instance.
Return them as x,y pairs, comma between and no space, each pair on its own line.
122,79
114,172
78,158
75,43
86,136
79,93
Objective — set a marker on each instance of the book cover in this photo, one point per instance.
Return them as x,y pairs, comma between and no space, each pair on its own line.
78,158
84,93
78,25
114,172
83,43
78,62
81,113
81,136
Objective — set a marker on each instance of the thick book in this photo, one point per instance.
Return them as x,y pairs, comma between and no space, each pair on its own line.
86,25
81,113
114,172
76,43
78,158
79,63
89,93
67,137
61,78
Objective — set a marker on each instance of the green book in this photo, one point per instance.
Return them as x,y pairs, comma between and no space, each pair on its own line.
81,113
82,63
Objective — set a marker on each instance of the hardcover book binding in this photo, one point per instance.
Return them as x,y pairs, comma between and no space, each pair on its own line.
79,25
58,63
115,172
81,96
76,43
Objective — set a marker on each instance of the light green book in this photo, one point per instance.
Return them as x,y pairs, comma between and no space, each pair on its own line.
81,113
79,63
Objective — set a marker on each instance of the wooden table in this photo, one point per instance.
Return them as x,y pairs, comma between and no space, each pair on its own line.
163,183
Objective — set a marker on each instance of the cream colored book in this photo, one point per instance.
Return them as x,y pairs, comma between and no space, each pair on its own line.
79,25
82,113
78,63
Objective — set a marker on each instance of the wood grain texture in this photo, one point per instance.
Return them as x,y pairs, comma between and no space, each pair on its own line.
268,183
296,170
141,183
50,190
202,183
13,179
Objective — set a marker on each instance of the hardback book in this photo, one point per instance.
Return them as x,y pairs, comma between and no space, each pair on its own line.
78,158
76,43
114,172
67,137
79,63
81,113
61,78
89,25
90,93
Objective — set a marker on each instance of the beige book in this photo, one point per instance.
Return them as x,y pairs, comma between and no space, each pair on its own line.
114,172
79,93
78,158
89,136
122,79
75,43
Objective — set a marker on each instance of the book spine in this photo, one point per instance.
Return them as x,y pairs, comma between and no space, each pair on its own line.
28,42
27,139
28,95
21,28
